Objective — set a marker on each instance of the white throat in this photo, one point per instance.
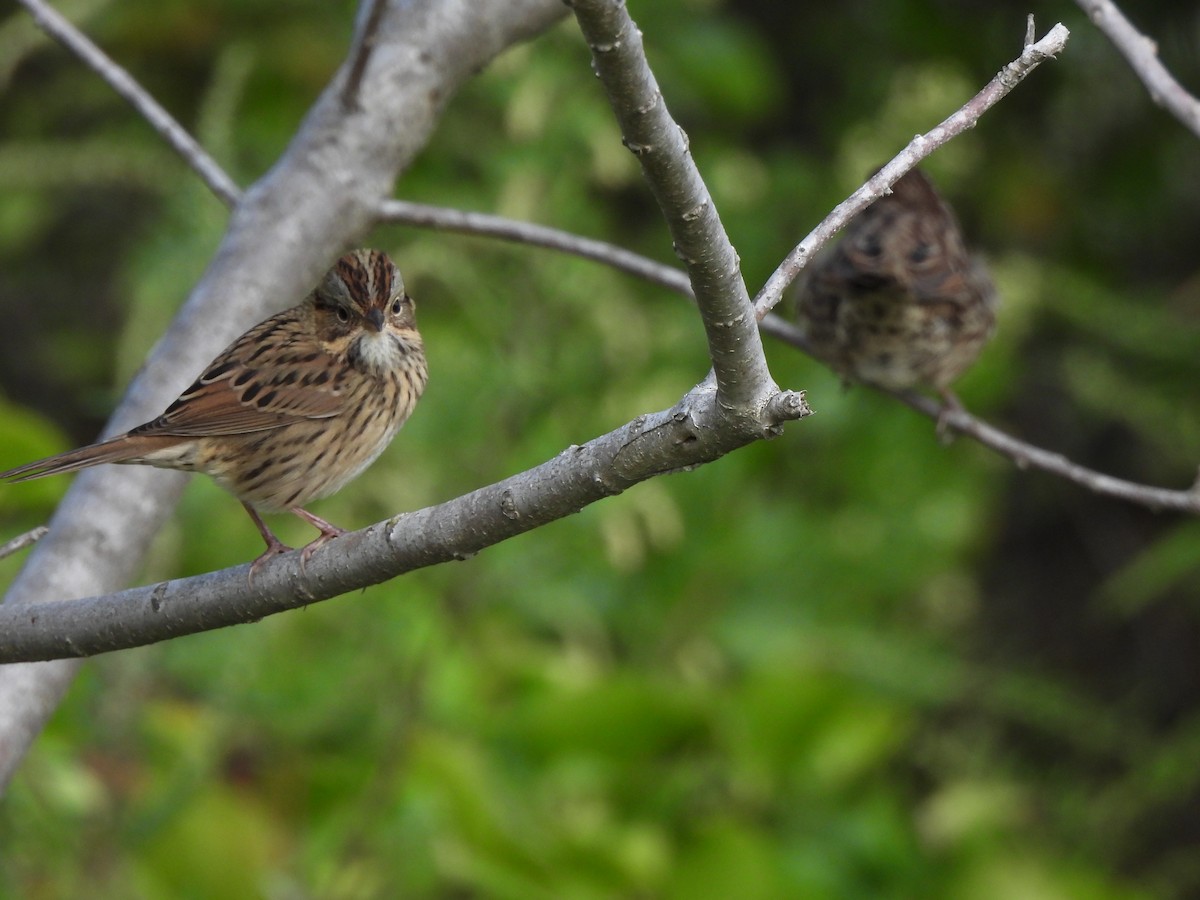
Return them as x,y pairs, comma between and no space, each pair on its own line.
378,352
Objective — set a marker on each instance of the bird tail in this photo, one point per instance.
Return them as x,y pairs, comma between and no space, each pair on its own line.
120,449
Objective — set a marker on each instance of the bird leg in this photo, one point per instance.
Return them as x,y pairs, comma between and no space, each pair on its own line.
274,545
328,533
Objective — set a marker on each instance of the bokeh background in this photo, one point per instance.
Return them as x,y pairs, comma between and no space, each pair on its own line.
848,662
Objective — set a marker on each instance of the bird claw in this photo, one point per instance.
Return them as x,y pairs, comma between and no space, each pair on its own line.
326,536
274,548
328,533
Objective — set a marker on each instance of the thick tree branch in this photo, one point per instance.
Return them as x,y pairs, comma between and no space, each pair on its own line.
1142,55
740,367
120,81
690,434
1033,55
319,199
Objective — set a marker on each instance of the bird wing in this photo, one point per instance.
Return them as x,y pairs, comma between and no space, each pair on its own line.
271,376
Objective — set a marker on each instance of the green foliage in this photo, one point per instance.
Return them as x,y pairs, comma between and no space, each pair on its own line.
849,662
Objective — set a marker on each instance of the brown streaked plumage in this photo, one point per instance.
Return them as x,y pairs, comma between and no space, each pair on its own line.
293,409
898,301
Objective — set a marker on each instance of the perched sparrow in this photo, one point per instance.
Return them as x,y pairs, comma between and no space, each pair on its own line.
899,302
293,409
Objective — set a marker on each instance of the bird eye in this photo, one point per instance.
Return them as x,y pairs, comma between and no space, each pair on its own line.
343,314
397,305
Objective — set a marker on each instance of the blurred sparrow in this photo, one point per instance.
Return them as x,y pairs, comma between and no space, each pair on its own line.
899,302
295,408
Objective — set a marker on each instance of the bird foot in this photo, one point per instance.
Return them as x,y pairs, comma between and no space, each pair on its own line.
328,533
274,548
311,548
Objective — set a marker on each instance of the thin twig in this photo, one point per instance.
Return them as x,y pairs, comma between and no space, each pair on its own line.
441,218
21,541
920,147
735,348
360,53
1023,454
49,20
1142,55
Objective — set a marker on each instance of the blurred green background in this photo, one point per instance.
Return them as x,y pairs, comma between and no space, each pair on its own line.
846,663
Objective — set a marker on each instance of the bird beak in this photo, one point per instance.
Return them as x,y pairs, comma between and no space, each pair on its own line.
375,317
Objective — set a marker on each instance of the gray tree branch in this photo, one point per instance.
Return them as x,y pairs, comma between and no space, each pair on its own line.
319,199
1142,55
441,218
690,434
740,367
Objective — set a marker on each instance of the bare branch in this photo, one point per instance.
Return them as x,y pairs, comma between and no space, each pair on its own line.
735,348
443,219
120,81
1023,454
918,148
1142,55
21,541
651,445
